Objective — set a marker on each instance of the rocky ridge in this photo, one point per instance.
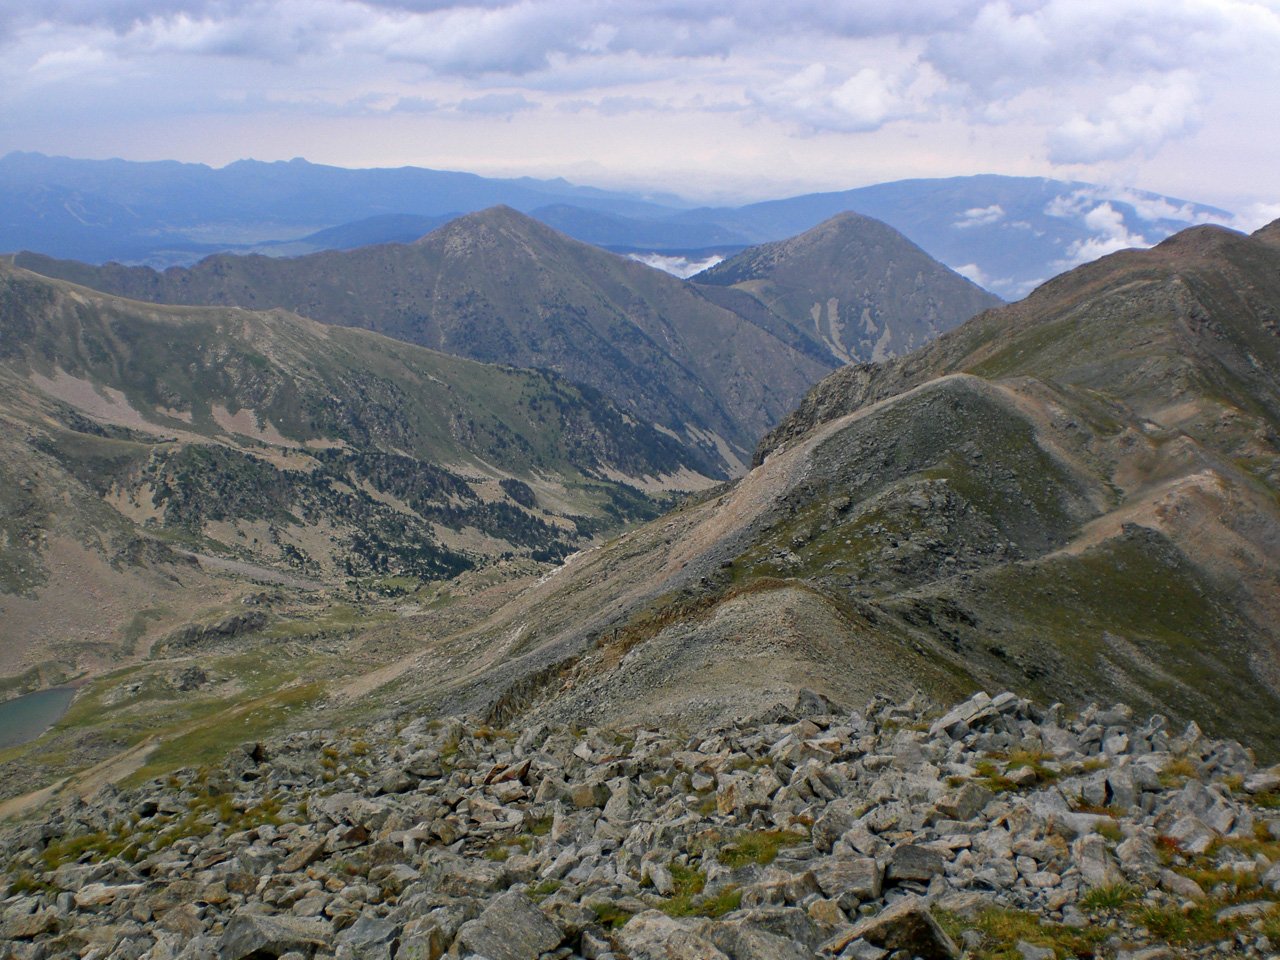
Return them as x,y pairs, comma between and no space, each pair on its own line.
996,829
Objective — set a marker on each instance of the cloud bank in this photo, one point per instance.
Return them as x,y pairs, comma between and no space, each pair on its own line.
1078,84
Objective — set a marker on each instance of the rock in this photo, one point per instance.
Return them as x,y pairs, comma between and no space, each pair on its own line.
906,925
966,802
745,942
1192,834
911,862
958,721
1029,951
849,881
29,926
838,817
303,857
1264,781
652,935
1245,911
258,936
1094,861
511,927
1180,886
368,939
101,895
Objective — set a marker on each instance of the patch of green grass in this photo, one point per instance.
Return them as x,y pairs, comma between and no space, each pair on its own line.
1002,930
1110,897
758,847
211,740
611,916
339,618
544,888
1110,830
136,628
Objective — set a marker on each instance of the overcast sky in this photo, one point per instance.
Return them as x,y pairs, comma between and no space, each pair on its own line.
739,99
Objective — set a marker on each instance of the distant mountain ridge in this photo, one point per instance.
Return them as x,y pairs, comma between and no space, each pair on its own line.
498,286
134,435
1006,233
716,365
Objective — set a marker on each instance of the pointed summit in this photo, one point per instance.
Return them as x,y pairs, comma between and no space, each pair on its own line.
865,290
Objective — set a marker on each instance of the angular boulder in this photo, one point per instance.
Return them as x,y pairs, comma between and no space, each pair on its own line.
511,927
907,925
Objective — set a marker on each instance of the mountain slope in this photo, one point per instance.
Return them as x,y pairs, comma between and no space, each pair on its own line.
499,287
134,437
1076,496
859,286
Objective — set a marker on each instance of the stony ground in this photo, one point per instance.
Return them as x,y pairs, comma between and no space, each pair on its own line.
997,829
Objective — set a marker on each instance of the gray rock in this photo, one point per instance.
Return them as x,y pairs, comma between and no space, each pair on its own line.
912,862
1030,951
966,802
839,817
655,936
1094,861
906,925
368,939
511,927
849,881
742,941
258,936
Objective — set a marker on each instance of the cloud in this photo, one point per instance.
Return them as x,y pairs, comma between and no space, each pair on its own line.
947,85
677,266
1109,235
1136,121
979,217
821,98
497,104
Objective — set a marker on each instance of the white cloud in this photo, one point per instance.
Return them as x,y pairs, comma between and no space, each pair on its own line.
681,267
979,217
1136,121
1109,235
819,97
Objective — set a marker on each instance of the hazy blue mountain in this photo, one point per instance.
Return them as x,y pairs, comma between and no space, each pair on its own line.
1007,234
168,212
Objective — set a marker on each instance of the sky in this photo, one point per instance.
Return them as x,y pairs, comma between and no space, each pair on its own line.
721,102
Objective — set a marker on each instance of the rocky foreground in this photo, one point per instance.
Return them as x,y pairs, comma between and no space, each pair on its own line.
997,829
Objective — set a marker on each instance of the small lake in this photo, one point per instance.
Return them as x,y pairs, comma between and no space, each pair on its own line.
27,717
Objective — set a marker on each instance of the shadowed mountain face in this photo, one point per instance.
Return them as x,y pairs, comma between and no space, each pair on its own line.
856,285
500,287
1077,496
134,436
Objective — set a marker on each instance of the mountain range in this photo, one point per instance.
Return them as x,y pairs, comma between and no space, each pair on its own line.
228,520
1006,233
713,366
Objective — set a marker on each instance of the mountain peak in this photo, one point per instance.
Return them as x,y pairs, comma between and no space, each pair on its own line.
1270,234
818,281
1205,237
499,219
